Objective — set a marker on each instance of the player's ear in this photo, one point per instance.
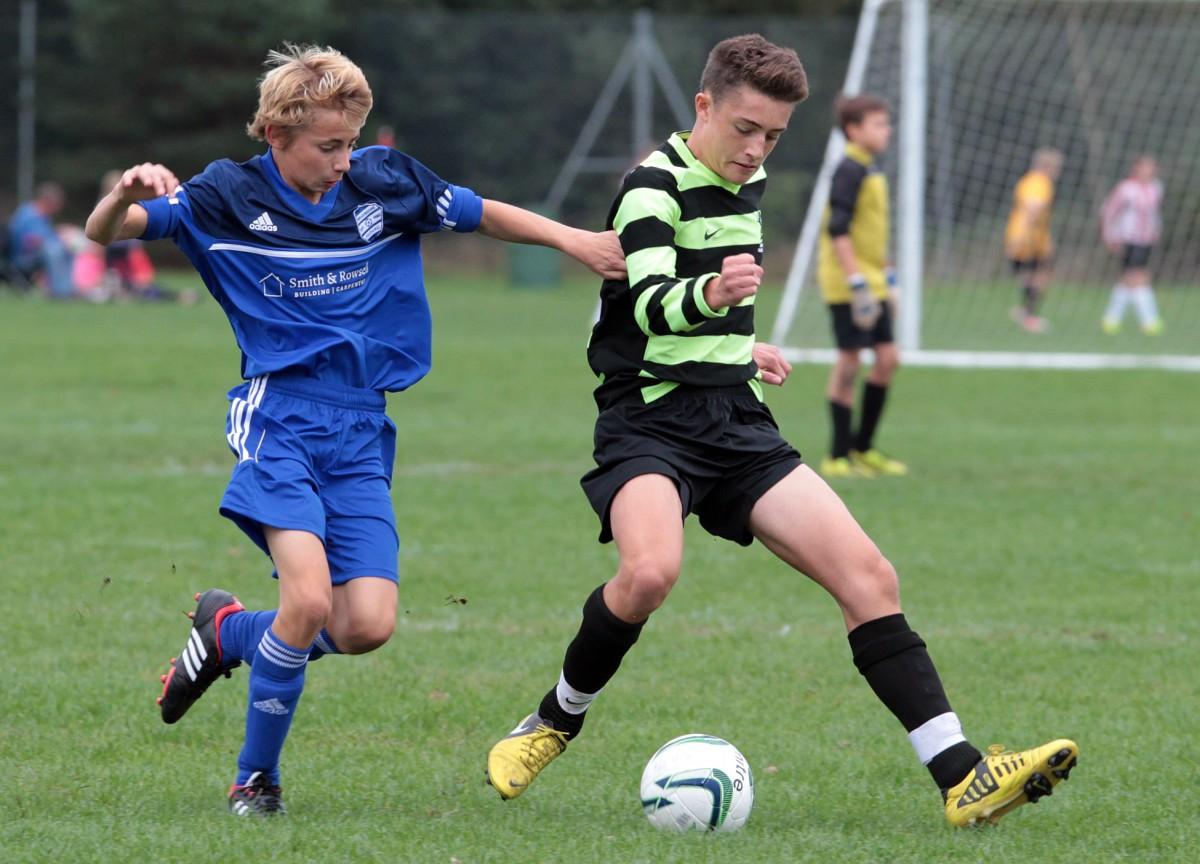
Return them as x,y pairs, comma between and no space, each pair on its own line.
704,103
277,136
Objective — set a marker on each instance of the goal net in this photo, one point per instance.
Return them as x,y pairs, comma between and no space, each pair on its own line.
976,87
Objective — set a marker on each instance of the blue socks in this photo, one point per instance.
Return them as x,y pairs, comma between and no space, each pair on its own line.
276,681
322,645
242,631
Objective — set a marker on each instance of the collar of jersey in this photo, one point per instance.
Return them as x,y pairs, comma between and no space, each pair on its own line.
679,142
859,153
314,212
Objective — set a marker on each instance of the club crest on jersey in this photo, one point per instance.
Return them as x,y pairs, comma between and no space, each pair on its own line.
369,218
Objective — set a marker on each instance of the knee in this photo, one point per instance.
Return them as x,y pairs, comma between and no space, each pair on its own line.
845,374
880,582
366,632
307,610
647,581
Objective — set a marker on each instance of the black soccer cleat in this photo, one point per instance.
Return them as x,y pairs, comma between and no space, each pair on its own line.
256,797
199,663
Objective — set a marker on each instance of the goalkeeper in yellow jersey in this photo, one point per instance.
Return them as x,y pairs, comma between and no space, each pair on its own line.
857,285
1027,239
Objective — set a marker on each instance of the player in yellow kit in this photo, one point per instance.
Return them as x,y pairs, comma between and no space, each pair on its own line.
857,286
1028,242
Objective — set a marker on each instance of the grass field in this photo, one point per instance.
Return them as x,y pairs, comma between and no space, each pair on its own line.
975,316
1047,545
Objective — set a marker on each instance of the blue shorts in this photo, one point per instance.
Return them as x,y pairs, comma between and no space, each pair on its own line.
315,457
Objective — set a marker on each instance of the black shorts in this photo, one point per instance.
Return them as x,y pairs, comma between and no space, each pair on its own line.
849,337
1028,265
1135,257
720,445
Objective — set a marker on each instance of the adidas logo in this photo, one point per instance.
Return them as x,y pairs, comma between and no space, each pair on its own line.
263,223
271,706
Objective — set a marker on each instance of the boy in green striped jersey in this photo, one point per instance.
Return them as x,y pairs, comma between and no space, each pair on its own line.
682,429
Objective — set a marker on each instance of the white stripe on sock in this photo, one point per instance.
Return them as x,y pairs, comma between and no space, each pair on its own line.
935,735
324,644
281,654
571,700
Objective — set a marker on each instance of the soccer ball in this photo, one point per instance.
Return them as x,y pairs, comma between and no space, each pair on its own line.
697,782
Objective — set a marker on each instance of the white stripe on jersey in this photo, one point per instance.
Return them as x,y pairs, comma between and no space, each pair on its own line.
297,253
443,207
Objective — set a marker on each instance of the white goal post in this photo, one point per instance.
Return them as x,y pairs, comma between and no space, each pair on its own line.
976,86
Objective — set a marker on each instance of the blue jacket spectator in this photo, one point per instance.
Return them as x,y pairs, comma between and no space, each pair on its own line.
34,245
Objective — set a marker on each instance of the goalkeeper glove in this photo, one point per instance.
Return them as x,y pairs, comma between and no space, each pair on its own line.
864,306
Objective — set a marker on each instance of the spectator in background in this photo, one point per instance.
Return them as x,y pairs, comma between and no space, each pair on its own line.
385,136
1027,240
35,248
1131,223
121,271
126,264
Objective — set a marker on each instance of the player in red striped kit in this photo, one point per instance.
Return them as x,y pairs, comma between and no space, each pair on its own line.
1131,223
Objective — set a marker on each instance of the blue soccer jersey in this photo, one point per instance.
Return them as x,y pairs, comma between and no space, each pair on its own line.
334,290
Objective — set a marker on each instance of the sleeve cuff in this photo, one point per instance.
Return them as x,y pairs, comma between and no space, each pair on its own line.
465,211
701,303
158,216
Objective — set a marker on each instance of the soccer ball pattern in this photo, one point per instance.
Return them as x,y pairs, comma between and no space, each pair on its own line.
697,782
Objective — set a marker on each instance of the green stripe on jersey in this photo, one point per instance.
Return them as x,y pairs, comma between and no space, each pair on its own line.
728,349
677,220
740,229
643,202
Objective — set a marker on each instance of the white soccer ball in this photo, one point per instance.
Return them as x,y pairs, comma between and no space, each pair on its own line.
697,782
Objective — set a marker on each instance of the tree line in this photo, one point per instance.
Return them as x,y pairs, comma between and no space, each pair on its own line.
488,94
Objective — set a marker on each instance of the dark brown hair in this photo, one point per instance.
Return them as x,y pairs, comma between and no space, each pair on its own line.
751,59
850,110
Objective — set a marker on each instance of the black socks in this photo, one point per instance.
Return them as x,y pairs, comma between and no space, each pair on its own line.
897,667
873,398
592,658
840,414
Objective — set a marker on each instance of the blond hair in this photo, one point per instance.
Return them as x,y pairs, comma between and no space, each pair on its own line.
302,79
1047,159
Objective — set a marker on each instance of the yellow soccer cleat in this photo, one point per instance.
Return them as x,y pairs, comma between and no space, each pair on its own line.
833,469
1153,328
1004,781
1110,327
518,758
878,463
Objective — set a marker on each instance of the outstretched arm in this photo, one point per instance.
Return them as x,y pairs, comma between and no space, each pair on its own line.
600,251
118,216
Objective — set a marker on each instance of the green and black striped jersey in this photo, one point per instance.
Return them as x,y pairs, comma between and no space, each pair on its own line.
677,220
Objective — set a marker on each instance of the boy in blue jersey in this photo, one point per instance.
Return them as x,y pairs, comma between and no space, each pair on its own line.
687,432
313,251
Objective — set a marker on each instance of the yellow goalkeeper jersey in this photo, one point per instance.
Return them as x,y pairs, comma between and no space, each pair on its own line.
858,207
1027,237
